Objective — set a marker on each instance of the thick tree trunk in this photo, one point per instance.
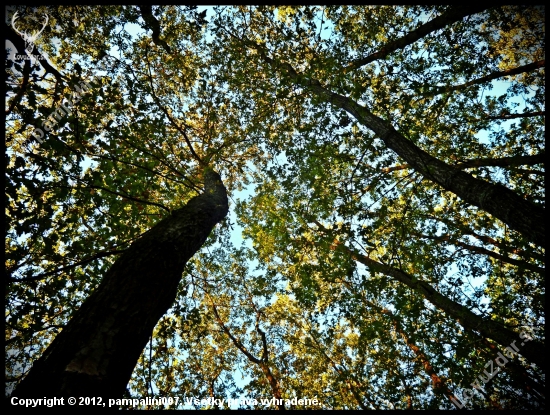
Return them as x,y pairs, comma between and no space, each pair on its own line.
501,202
512,209
96,352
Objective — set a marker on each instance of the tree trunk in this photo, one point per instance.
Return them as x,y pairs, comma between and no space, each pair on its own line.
96,352
532,350
512,209
501,202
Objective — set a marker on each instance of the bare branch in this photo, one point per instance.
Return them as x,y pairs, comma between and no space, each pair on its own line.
494,75
512,116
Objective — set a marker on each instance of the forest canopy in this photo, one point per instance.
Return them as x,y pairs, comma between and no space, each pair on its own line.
383,170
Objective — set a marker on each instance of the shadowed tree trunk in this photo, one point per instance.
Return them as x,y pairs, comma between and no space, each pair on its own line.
519,214
96,352
532,350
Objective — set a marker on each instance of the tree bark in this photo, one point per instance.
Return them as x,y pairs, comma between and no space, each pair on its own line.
512,209
97,351
501,202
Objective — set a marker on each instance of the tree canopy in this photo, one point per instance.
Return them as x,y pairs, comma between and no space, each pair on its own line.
384,166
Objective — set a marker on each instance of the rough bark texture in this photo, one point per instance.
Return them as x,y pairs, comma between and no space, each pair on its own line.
96,353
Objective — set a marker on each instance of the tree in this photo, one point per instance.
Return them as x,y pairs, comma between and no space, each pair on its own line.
391,247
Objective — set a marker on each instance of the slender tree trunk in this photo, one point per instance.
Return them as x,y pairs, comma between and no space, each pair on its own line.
438,384
532,350
96,352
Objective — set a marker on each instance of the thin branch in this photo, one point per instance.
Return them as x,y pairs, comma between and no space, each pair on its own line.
451,16
484,251
235,341
125,196
165,111
494,75
512,116
504,161
488,162
68,267
487,239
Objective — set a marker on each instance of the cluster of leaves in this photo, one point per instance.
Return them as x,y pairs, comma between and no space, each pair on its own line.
327,297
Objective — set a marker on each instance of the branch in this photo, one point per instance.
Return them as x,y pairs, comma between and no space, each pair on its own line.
495,75
68,267
273,382
536,172
235,341
135,199
484,251
451,16
512,116
487,239
504,161
165,111
532,351
152,23
486,162
503,203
